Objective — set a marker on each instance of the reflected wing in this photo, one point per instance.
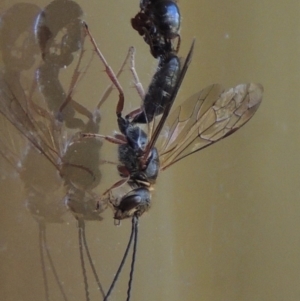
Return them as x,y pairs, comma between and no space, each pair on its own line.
207,117
11,144
30,120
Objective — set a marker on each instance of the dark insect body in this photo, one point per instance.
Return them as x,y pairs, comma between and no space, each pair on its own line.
158,22
138,157
143,154
159,91
203,119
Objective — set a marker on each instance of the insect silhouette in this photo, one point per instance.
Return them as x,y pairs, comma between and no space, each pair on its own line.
59,42
203,119
158,22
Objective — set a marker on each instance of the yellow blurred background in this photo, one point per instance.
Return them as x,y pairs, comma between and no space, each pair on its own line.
224,224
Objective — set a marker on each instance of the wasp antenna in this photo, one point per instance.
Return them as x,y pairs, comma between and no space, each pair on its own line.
135,224
123,259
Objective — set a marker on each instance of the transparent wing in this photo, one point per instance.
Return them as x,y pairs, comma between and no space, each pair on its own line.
30,120
207,117
10,145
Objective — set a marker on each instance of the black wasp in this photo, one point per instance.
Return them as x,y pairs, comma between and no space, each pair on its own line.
160,90
203,119
159,23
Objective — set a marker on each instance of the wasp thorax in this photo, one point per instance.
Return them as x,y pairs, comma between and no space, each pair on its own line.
137,139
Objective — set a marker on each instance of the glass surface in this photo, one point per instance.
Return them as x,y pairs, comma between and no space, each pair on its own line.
224,222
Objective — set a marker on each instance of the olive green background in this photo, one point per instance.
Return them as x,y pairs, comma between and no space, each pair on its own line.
224,224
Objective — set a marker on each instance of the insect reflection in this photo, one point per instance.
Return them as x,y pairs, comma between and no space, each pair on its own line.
55,168
203,119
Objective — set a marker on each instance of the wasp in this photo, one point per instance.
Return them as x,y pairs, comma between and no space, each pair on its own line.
158,22
203,119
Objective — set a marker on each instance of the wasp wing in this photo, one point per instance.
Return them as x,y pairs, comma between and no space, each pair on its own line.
207,117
